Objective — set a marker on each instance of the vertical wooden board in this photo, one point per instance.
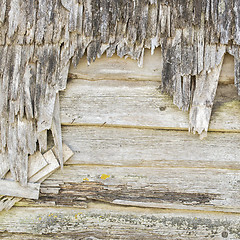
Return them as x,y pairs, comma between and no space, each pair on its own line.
4,166
146,147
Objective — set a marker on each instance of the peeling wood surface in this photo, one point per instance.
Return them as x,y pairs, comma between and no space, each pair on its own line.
107,222
139,104
153,183
42,166
116,68
171,188
38,41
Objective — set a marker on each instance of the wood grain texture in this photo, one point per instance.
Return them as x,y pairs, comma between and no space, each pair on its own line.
107,222
38,40
171,188
145,147
139,104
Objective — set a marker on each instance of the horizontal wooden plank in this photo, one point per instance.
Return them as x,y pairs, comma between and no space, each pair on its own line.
139,104
14,189
116,68
147,147
175,188
107,222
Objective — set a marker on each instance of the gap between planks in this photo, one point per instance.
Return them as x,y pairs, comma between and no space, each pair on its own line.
96,204
145,127
147,166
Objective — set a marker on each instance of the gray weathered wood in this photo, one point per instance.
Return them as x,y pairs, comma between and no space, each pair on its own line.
203,99
139,104
152,187
145,147
38,40
56,131
102,221
37,164
4,165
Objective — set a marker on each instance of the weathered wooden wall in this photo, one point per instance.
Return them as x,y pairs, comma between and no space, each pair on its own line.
136,173
39,39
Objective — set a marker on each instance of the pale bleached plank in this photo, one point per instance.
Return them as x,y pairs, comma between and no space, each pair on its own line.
175,188
120,68
102,221
116,68
147,147
14,189
53,163
36,162
140,104
227,73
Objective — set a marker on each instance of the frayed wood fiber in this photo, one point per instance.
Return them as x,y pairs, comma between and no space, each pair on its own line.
39,40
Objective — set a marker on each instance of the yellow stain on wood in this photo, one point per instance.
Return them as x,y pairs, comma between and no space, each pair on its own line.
105,176
77,214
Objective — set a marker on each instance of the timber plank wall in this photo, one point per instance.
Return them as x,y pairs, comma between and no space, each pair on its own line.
136,173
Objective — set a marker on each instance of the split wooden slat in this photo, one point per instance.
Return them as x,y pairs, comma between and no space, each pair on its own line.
42,166
171,188
14,189
53,163
4,166
36,163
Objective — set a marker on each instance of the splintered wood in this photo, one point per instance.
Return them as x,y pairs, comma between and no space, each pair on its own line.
38,39
42,166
